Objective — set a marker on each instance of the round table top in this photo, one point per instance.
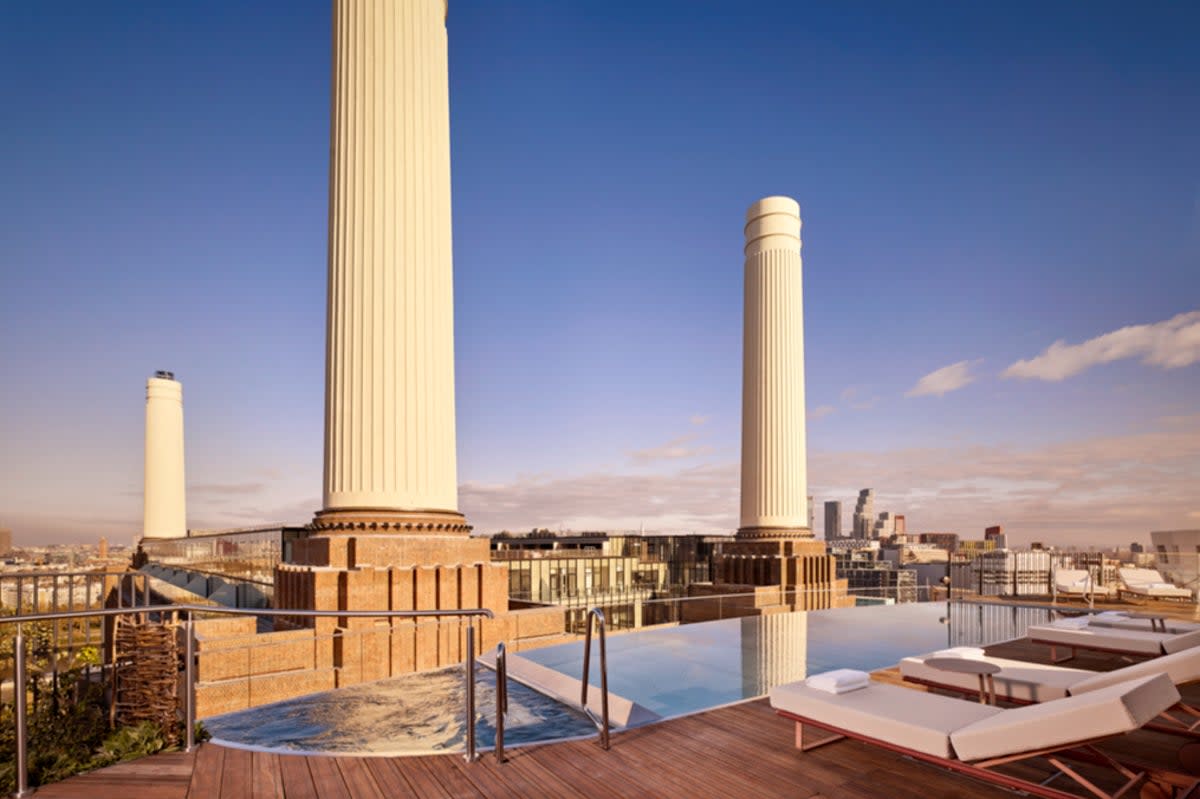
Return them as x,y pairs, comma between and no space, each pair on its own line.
963,665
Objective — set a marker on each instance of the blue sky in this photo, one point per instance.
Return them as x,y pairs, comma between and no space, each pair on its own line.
976,183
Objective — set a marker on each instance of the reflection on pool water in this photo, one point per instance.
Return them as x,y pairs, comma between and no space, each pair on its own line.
670,671
403,715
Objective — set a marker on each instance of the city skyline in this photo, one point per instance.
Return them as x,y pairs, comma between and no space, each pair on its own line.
1001,250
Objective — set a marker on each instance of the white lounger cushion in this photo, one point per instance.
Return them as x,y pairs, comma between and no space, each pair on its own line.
1150,583
1134,577
1076,581
1113,638
1097,714
1181,641
1180,667
1126,623
1025,682
901,716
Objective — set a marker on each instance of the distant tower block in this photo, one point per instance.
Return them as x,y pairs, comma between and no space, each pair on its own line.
164,503
389,387
774,449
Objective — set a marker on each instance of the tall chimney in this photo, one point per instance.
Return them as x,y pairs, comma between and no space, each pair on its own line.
390,460
774,448
164,500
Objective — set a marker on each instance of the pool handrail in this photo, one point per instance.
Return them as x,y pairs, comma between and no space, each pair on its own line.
189,611
602,723
501,698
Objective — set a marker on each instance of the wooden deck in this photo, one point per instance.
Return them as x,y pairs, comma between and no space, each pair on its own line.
742,750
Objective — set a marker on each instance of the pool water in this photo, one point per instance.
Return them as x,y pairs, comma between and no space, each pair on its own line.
668,671
677,670
413,714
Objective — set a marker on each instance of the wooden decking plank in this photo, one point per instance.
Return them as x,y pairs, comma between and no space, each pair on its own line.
765,748
266,782
659,770
711,746
327,777
580,775
420,777
528,769
358,778
296,778
461,779
206,773
388,777
235,774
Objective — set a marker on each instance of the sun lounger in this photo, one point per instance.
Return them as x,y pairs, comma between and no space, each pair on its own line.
1078,583
1149,584
1024,683
1017,681
1077,633
976,739
1122,620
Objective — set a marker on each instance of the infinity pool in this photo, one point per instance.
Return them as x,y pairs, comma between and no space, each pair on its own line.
677,670
667,671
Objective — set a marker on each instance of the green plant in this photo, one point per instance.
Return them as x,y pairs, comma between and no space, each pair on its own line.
129,743
70,734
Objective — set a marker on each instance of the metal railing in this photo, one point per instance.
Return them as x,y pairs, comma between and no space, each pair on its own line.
189,612
501,698
52,588
602,722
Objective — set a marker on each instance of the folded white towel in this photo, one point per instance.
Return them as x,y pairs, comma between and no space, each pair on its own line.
959,652
839,681
1071,623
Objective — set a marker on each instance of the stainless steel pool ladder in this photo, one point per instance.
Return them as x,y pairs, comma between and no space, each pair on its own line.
501,698
602,722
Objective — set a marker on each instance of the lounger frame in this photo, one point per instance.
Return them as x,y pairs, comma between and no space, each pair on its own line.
1054,645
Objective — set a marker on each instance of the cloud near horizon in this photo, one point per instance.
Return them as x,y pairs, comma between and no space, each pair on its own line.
820,412
675,449
941,382
1170,344
1102,490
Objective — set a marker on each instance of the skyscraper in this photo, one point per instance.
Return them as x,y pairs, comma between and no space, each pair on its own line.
833,520
864,514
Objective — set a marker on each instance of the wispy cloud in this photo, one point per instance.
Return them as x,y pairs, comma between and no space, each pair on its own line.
701,498
675,449
1102,490
226,489
850,397
699,419
820,412
941,382
1170,344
